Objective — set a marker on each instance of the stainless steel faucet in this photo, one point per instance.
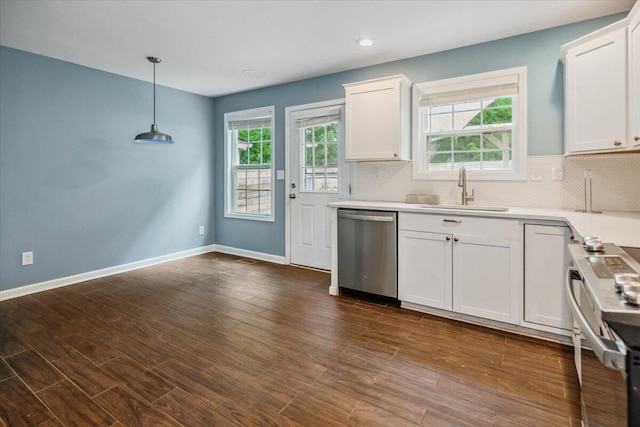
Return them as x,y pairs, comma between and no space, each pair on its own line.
462,182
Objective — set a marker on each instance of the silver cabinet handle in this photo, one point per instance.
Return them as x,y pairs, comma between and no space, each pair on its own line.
455,221
604,349
366,217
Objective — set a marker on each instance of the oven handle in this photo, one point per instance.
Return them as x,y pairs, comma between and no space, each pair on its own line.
606,350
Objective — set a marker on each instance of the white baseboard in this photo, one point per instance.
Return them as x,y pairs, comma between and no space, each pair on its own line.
90,275
250,254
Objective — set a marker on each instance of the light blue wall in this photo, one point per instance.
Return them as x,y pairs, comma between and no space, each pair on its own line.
538,51
75,189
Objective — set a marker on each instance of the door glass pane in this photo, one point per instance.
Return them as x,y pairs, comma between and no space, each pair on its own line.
319,149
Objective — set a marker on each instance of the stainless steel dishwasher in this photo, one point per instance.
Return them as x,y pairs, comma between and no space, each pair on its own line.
367,251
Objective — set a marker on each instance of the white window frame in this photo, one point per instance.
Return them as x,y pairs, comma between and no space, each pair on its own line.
473,84
229,153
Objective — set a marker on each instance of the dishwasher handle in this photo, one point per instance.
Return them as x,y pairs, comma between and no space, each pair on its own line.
377,218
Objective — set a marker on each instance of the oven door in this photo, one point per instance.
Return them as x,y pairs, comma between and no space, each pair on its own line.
600,361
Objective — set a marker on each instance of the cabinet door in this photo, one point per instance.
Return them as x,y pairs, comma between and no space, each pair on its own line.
634,78
373,120
595,97
424,268
482,277
546,260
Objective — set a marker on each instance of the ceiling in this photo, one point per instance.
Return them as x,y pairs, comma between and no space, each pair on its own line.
205,45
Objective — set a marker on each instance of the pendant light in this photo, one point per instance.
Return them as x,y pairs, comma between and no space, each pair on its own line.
153,136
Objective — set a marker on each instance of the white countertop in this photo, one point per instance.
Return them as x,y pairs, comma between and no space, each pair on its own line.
621,228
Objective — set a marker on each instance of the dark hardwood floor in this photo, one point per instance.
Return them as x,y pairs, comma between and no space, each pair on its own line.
216,340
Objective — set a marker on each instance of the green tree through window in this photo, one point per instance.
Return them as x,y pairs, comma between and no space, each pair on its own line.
448,148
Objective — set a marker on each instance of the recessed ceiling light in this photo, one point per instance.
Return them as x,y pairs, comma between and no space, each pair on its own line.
254,74
365,42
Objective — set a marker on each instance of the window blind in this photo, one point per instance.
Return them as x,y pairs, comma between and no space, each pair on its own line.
459,92
318,120
252,123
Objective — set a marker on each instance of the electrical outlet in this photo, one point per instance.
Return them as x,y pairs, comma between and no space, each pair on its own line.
376,173
535,176
27,258
557,173
201,230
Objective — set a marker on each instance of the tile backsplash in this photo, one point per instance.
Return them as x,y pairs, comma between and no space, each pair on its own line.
616,184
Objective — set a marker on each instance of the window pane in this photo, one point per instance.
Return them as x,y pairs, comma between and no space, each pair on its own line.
469,159
439,109
243,154
248,140
467,142
332,155
481,151
440,144
440,159
496,116
497,140
441,122
332,132
320,134
320,150
252,186
266,153
254,154
243,135
468,106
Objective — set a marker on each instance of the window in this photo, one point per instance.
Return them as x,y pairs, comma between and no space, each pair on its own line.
476,121
318,136
249,164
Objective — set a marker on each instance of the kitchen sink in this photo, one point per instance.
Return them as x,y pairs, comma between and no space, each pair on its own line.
465,207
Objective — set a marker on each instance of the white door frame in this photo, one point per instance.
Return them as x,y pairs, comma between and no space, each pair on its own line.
288,111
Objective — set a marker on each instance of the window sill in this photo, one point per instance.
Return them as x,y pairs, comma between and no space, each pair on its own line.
252,217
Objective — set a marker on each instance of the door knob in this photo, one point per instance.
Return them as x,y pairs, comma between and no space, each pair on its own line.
448,238
292,196
636,138
455,239
617,143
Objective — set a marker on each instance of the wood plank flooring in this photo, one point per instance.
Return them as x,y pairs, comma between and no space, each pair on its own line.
215,341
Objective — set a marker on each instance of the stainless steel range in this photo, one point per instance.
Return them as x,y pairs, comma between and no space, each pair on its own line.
603,291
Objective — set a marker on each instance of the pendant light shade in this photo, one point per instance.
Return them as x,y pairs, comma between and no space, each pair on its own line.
153,136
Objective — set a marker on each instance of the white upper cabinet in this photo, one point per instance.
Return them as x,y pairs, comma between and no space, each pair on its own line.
634,76
602,88
595,93
377,121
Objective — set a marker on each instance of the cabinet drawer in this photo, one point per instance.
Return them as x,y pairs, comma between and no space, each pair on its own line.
460,225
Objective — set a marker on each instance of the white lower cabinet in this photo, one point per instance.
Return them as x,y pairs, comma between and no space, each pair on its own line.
469,265
482,277
545,264
424,268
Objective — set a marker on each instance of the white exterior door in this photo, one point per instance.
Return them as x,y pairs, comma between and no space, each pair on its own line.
317,175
